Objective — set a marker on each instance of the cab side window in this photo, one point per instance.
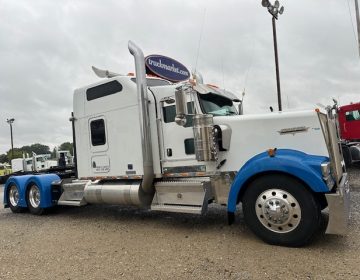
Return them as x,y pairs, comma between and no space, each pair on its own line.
98,136
352,115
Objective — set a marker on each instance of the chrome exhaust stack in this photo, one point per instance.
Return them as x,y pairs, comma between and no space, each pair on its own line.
147,182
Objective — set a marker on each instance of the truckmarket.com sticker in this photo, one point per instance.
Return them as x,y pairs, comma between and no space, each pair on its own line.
293,130
166,68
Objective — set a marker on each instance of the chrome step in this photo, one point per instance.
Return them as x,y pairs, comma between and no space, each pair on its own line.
178,209
182,196
72,202
73,194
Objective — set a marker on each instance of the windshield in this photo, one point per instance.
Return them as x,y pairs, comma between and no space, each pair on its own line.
41,159
216,105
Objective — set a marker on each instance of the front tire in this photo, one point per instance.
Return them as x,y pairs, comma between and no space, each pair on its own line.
12,198
33,199
281,210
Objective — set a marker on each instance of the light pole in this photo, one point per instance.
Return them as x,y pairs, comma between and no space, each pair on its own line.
357,21
10,122
275,11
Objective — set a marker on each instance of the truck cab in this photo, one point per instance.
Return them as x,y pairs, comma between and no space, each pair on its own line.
349,124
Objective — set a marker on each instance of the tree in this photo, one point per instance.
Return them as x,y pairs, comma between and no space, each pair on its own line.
18,153
40,149
3,158
66,146
28,150
53,153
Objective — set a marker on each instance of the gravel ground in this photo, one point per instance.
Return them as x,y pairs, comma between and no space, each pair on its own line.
107,242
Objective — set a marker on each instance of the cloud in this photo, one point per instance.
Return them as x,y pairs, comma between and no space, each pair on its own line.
47,49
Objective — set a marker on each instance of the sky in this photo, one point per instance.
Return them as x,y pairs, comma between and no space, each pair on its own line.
47,49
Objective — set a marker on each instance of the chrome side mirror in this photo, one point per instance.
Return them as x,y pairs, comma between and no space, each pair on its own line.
181,106
241,108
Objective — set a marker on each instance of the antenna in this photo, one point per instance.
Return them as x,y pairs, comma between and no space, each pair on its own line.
287,99
222,70
250,65
201,33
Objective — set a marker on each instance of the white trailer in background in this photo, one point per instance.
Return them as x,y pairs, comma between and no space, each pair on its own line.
179,146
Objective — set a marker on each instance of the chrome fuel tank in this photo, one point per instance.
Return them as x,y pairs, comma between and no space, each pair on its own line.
127,192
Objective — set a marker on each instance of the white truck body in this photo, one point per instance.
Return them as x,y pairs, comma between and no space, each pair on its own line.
249,134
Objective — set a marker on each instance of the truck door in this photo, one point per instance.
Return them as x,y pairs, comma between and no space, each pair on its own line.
99,160
178,141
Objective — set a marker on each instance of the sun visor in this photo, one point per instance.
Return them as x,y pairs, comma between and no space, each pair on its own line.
203,89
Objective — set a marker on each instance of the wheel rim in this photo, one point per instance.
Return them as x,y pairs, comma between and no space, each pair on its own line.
14,195
278,210
34,196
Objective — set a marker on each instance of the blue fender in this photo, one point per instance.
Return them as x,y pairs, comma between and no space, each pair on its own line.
44,181
20,183
298,164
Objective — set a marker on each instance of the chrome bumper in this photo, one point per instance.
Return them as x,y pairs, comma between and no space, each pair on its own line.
339,208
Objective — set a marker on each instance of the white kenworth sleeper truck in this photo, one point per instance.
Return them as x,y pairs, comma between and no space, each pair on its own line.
179,146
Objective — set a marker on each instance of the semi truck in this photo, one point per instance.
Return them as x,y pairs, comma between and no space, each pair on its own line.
349,124
36,163
172,143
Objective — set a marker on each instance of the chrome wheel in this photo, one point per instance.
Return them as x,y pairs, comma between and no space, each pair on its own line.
278,210
14,196
34,196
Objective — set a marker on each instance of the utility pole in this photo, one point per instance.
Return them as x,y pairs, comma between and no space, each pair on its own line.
10,122
358,22
277,64
275,11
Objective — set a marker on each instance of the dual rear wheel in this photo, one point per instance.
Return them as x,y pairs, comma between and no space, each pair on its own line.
33,199
13,198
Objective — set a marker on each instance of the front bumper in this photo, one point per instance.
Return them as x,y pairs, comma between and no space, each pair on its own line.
339,207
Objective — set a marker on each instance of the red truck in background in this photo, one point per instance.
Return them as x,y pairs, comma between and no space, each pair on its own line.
349,125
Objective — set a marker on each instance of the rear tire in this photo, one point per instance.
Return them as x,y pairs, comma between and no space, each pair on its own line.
347,155
281,210
12,198
33,199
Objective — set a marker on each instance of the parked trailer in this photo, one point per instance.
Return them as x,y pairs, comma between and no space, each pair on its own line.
180,146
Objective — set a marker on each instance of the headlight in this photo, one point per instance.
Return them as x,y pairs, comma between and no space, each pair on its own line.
326,173
325,169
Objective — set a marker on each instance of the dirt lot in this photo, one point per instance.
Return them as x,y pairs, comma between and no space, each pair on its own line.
96,242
